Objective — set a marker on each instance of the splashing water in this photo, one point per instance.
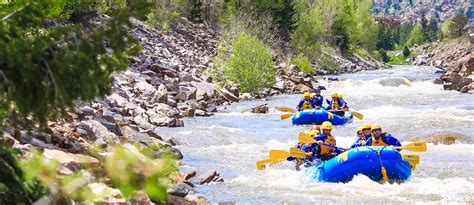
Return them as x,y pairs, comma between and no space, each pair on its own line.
403,100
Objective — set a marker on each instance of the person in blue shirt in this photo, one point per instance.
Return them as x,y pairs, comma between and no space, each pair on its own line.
361,140
337,103
306,102
319,150
317,98
301,146
380,138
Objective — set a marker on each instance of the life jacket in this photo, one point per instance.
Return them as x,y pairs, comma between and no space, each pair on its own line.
379,142
324,150
335,104
306,105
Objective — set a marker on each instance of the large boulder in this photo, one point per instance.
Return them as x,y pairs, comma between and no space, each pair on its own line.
97,131
204,90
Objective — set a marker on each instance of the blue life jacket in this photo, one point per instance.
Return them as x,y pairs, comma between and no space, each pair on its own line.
339,104
318,100
360,142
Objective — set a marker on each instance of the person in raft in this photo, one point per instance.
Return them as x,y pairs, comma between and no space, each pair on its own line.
306,102
337,105
300,145
361,141
380,138
317,98
320,151
363,135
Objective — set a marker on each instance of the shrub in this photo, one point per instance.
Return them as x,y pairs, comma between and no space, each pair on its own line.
383,56
250,64
15,186
165,14
406,51
456,25
303,64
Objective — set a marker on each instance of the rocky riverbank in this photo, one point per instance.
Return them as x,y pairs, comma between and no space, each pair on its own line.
161,86
455,59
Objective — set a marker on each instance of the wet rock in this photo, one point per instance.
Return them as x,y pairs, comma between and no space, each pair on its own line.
438,81
201,113
213,176
261,109
190,174
172,141
228,96
179,190
153,134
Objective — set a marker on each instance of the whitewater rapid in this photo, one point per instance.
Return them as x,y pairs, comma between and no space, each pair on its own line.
403,100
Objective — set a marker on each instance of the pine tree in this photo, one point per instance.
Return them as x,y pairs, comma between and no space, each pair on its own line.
432,30
285,17
406,51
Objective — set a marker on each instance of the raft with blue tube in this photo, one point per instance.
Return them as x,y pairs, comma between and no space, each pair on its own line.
318,116
367,160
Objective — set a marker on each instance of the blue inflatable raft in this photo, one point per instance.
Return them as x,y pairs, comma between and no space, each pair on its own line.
362,160
318,116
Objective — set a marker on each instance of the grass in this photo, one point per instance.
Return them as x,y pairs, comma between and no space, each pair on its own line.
400,59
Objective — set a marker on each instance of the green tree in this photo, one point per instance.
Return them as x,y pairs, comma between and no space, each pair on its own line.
251,64
456,25
46,68
384,38
383,56
432,30
285,17
416,36
195,13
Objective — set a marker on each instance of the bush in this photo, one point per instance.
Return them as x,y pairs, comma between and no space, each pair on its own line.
15,186
456,25
383,56
303,64
165,14
406,51
250,65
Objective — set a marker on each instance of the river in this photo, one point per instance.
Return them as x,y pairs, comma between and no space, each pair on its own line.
403,100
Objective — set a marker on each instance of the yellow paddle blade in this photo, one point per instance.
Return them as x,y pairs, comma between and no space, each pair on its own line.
276,155
286,116
298,153
261,163
358,115
412,158
415,147
286,109
305,138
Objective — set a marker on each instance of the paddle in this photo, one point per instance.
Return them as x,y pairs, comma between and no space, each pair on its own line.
276,155
415,147
357,115
261,163
413,160
286,109
286,116
298,152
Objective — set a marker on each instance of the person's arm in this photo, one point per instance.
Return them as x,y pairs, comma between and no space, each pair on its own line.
300,104
389,139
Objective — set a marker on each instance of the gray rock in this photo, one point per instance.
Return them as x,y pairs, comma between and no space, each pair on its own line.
202,113
169,150
179,190
161,95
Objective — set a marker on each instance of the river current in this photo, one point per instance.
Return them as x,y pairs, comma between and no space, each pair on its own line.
404,100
